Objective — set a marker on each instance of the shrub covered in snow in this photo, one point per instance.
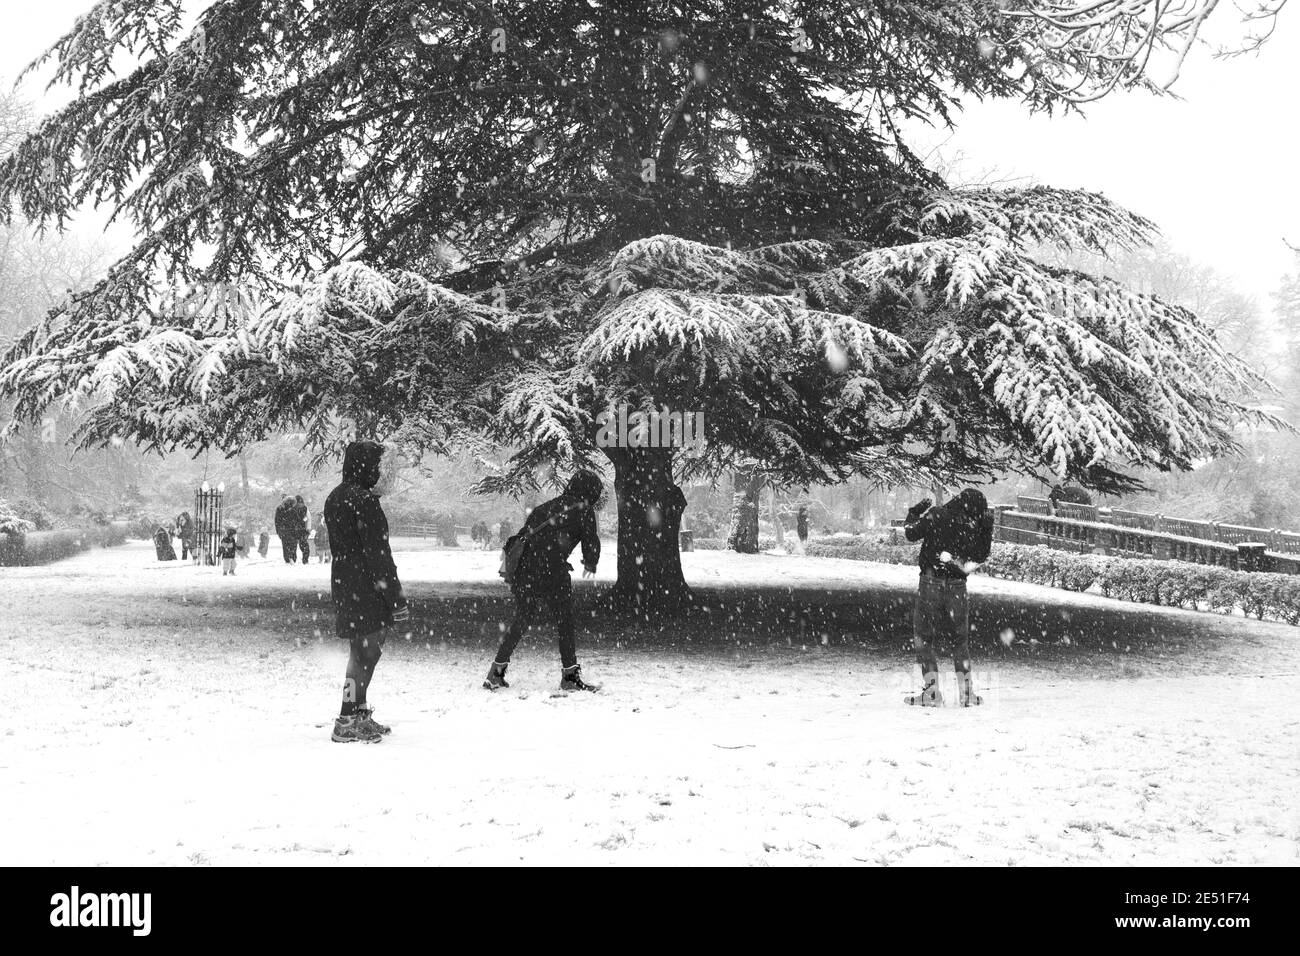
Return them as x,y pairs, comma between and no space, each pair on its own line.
863,549
766,542
10,522
1168,583
42,547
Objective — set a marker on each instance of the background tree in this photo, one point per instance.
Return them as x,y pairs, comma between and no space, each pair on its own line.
457,223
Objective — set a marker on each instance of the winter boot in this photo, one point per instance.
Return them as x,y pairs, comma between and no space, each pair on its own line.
351,729
366,714
929,696
571,679
496,676
966,696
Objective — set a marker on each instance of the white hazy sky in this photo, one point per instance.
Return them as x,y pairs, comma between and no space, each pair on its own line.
1218,170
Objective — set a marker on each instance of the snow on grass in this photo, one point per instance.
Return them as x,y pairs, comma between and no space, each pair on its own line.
162,714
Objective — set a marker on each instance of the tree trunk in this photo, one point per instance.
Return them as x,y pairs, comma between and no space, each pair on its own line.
777,528
746,485
650,506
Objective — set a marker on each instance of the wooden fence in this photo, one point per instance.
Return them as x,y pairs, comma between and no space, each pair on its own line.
425,531
1275,540
1087,529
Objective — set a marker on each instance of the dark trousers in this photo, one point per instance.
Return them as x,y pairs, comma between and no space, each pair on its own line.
942,617
363,657
303,545
289,545
551,600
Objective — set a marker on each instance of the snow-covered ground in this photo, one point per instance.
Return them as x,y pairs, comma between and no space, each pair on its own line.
165,715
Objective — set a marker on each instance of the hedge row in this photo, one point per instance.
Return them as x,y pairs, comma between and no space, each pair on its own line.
42,547
1197,587
765,543
863,549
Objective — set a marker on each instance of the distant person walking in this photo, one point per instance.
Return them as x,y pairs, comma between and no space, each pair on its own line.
263,542
286,529
304,532
955,539
185,531
227,549
539,578
363,583
322,539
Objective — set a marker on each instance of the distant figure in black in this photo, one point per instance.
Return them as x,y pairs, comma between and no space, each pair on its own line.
541,584
504,531
227,548
955,539
162,543
1069,494
304,531
286,528
263,542
185,530
363,582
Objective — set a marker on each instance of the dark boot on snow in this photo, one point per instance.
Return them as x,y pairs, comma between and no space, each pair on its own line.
571,679
496,676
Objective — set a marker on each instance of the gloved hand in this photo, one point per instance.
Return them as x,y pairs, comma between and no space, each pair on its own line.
921,507
402,612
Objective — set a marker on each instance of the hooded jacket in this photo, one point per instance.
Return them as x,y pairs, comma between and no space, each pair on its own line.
553,530
286,519
363,578
963,527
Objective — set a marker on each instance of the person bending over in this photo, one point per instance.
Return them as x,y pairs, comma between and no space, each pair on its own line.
540,581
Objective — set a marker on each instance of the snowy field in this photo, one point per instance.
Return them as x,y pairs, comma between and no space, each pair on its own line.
166,715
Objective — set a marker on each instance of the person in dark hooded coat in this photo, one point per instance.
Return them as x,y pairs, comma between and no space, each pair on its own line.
541,584
363,583
304,531
286,529
185,530
955,539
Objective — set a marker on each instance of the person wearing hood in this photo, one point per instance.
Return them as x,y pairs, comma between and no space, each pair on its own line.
304,531
367,594
286,529
185,529
540,580
955,539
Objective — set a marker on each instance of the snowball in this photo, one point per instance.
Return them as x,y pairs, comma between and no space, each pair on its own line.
1008,636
